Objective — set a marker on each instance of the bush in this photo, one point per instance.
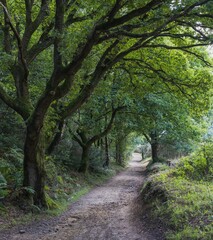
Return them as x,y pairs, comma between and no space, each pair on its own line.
199,165
3,187
11,167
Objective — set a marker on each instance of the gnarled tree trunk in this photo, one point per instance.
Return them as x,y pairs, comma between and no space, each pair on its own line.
34,171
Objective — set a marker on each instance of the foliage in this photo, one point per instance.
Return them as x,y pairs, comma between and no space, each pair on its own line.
149,56
55,53
188,208
199,165
182,197
3,186
11,170
10,121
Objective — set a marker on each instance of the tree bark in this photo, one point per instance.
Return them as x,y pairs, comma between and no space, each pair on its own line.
57,138
154,146
6,30
21,81
84,159
87,143
34,172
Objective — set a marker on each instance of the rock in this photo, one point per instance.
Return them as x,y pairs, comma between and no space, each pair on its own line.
56,229
71,220
22,231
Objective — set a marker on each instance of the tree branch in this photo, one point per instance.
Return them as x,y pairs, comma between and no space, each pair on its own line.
43,43
147,137
6,30
100,70
176,47
31,27
167,79
57,137
201,58
129,16
59,26
107,129
28,7
13,103
114,10
78,140
19,42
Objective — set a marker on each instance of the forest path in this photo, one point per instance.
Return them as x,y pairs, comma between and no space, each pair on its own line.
108,212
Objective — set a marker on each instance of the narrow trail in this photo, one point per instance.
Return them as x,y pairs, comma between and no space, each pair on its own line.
108,212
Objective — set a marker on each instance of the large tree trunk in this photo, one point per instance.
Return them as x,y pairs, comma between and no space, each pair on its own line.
84,159
154,146
34,173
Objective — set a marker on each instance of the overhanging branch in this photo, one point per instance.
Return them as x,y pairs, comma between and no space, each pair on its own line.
13,103
108,127
19,42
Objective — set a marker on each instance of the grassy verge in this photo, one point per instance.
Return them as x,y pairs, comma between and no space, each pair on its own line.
182,198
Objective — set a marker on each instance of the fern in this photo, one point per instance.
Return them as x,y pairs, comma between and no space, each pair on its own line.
51,204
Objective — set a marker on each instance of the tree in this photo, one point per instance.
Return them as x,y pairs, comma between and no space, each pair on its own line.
101,33
167,97
165,120
86,142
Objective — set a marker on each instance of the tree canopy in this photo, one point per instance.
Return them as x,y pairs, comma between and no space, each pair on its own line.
55,53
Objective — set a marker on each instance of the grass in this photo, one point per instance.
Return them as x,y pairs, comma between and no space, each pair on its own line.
188,210
182,198
13,216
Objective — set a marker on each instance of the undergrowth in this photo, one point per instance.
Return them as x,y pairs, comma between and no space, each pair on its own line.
63,186
182,197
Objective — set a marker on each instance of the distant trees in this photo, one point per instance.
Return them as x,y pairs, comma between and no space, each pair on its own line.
86,141
54,54
167,121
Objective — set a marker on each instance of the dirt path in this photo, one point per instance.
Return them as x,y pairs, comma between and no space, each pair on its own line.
108,212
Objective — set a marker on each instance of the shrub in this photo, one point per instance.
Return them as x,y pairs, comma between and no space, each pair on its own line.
11,171
199,165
